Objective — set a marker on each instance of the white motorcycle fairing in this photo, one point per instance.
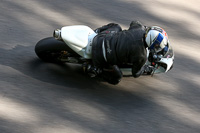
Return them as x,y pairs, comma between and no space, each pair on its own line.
79,38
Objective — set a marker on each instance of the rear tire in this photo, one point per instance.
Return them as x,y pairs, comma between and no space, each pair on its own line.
51,50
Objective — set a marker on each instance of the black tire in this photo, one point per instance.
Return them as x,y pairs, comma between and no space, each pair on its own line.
50,50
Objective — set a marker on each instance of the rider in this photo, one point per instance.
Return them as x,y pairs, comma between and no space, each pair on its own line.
114,48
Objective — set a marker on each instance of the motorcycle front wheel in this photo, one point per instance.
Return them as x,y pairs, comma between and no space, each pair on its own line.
52,50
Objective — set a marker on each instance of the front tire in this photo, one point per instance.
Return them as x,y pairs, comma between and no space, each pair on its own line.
51,50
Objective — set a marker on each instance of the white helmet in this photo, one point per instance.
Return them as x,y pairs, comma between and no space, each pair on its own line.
156,38
159,46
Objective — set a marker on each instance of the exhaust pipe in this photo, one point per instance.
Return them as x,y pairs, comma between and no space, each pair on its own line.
57,34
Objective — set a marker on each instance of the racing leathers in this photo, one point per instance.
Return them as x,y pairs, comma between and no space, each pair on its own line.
113,48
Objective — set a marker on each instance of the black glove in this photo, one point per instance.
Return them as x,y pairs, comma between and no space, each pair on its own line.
146,69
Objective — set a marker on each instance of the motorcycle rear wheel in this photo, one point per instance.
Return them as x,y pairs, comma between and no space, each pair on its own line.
52,50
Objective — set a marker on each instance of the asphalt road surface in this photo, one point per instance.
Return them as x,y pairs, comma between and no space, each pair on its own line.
38,97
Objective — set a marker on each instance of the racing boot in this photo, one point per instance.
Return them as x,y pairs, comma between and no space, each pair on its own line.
90,70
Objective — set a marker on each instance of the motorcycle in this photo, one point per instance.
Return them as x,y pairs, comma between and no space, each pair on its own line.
73,44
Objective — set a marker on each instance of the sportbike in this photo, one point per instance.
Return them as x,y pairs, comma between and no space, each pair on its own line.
73,44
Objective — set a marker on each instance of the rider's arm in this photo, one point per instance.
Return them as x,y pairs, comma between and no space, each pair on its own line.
137,68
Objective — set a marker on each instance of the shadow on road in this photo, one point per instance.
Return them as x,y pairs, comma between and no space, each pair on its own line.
62,92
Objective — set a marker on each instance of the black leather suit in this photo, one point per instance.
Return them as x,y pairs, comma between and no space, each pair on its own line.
113,48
